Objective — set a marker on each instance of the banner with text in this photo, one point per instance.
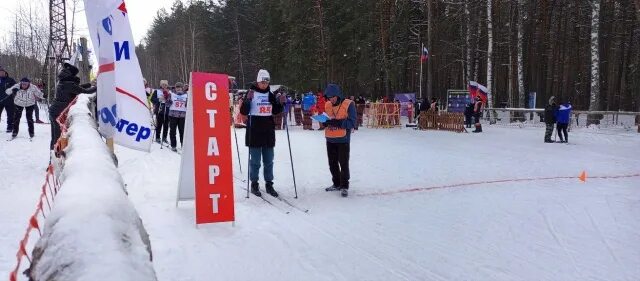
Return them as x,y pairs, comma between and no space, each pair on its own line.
206,173
122,108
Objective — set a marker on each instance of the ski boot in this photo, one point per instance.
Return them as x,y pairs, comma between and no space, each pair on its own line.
270,190
332,188
344,192
255,188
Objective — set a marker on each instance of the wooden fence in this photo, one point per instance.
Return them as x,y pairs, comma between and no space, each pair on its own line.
444,121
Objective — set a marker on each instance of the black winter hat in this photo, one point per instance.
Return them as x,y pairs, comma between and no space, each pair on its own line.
74,70
25,79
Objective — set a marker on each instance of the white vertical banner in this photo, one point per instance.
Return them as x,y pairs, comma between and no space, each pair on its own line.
122,107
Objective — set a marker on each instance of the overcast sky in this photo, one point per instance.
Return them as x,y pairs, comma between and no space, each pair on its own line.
141,14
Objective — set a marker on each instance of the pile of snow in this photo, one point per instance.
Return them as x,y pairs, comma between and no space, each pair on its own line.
93,230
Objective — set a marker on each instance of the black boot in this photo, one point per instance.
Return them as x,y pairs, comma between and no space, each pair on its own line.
270,189
255,188
478,129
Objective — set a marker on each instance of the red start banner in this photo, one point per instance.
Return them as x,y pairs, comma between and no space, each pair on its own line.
212,158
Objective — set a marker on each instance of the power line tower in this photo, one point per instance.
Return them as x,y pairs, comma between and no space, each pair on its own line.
58,48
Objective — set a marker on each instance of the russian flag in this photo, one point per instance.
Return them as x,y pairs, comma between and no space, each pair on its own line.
473,89
425,54
483,92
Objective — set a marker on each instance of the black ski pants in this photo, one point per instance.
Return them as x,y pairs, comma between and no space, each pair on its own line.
562,129
54,111
338,154
176,122
11,111
18,116
162,123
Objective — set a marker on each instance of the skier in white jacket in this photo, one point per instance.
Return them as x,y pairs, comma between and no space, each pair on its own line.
26,95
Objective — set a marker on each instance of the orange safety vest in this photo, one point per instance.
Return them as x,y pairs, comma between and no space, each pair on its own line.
341,112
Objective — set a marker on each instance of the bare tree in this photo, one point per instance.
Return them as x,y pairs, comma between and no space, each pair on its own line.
522,12
489,53
594,101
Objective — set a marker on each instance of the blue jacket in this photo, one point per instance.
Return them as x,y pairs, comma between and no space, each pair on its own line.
307,102
563,114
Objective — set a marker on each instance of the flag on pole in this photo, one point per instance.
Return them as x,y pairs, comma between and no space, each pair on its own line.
483,92
122,110
425,54
473,89
477,89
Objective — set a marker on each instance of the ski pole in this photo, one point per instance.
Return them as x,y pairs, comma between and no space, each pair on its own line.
286,125
237,147
248,153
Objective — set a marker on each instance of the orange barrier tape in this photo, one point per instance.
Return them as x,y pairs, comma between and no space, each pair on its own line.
33,220
419,189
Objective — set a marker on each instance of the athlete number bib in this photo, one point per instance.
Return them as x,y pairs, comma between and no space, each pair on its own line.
179,102
260,105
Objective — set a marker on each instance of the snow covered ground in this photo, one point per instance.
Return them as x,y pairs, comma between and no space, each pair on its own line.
401,221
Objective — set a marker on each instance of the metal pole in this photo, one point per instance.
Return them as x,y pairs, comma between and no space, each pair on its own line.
421,48
237,147
286,124
248,154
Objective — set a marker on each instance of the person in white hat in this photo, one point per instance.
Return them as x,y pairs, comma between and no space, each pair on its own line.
260,106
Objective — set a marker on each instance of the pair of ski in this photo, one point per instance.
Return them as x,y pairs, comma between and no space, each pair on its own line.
268,200
13,138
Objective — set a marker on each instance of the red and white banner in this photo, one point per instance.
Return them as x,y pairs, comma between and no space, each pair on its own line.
206,173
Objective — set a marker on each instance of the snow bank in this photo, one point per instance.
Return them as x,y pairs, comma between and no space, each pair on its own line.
93,231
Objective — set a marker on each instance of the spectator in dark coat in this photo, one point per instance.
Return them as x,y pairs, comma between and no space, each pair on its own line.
550,118
68,88
6,101
468,115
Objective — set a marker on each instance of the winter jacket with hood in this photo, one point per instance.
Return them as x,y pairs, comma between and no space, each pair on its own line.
6,82
550,111
308,102
68,85
564,113
261,129
25,98
349,123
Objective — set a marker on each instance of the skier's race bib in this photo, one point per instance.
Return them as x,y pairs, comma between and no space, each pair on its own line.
260,105
179,102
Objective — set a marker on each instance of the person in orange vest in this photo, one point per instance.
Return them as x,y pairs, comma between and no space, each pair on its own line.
342,119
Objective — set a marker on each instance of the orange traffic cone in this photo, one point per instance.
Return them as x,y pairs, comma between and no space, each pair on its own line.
583,176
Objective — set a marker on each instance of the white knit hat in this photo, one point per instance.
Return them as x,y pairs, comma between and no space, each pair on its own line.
263,76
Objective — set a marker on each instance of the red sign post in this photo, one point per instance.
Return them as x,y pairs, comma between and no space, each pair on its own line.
212,148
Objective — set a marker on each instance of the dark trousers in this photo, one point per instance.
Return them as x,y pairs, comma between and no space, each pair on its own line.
11,111
548,132
297,112
176,122
18,115
306,121
562,129
162,125
338,154
54,111
468,120
36,109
